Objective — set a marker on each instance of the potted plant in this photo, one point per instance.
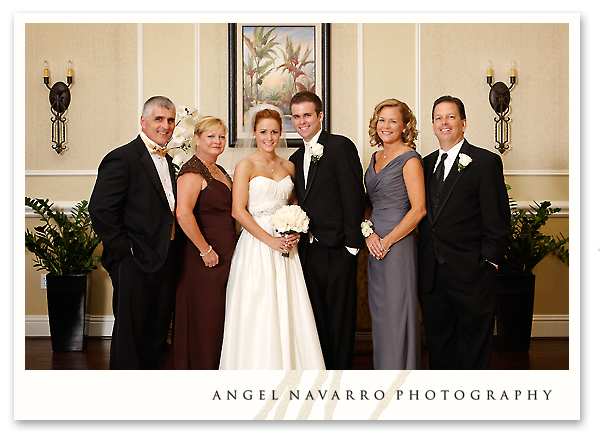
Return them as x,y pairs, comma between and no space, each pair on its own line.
528,246
65,248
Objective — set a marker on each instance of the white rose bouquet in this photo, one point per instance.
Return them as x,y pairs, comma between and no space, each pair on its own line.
290,219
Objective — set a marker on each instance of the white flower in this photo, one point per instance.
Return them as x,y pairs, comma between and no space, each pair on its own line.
366,227
183,135
463,161
316,151
289,219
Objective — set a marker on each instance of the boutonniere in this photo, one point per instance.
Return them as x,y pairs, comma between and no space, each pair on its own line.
316,151
463,161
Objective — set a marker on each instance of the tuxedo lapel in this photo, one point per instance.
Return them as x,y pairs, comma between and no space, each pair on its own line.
428,170
311,176
298,159
452,179
312,170
150,168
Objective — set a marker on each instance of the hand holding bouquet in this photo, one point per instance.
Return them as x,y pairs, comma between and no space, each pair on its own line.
290,219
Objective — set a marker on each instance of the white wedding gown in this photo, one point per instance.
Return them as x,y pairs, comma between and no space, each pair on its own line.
269,322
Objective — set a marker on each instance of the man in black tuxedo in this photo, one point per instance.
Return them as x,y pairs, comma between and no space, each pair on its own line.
461,240
132,209
329,188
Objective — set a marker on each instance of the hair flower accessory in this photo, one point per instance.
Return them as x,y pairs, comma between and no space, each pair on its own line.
316,151
463,161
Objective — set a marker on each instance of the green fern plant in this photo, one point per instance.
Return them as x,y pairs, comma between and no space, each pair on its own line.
62,246
528,246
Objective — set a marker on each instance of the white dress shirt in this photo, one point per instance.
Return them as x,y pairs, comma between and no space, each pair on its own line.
162,167
452,154
307,158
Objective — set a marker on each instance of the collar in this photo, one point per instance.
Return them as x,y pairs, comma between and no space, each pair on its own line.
151,145
452,152
313,141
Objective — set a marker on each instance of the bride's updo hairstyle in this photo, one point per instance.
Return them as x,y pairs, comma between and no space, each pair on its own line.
409,136
267,113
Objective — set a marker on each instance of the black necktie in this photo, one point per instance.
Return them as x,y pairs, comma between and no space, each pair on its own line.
439,172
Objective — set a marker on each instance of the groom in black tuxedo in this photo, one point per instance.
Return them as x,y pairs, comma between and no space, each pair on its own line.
329,188
461,240
132,209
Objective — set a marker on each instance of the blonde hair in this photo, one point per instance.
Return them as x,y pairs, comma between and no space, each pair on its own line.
408,118
209,123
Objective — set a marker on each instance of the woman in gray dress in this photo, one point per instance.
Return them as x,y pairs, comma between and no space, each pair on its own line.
395,205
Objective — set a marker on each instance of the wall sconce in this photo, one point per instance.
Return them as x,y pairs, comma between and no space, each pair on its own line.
500,102
60,98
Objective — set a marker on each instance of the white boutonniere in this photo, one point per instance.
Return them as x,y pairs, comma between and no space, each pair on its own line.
463,161
316,151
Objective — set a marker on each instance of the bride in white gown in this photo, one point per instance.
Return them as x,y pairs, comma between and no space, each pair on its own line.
269,321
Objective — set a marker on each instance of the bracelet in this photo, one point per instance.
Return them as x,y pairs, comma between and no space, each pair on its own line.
384,249
209,250
366,227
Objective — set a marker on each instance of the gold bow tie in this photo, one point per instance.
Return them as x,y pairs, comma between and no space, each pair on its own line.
161,151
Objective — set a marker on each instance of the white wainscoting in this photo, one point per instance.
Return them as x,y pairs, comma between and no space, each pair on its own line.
95,326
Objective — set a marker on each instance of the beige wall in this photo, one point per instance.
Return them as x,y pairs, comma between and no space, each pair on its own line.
114,73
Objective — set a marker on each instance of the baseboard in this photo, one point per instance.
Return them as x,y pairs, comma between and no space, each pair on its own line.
95,326
550,326
101,326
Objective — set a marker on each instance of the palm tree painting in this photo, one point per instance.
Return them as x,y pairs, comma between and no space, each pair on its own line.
278,62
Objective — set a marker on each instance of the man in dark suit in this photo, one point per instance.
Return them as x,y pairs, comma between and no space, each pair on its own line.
132,209
462,238
329,188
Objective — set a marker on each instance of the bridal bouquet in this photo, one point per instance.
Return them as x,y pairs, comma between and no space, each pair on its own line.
290,219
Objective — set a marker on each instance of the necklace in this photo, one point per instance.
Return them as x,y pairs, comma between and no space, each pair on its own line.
212,168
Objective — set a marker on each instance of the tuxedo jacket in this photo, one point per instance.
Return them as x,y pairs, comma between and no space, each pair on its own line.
129,208
334,196
472,224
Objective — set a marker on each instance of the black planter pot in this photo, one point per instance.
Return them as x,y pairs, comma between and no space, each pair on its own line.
66,311
514,312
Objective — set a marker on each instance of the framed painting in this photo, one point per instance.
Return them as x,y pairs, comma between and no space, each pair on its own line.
269,64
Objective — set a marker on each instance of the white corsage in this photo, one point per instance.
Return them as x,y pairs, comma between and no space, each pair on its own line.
290,219
316,151
366,227
463,161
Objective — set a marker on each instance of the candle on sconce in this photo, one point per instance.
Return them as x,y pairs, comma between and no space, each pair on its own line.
46,74
513,70
70,72
490,69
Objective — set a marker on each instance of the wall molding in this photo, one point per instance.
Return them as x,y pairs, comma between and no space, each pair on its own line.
95,326
67,206
543,326
62,173
537,173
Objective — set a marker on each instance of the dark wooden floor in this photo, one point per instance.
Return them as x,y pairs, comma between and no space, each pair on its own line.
544,354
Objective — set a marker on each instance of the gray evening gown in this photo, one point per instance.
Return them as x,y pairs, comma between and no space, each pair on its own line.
393,298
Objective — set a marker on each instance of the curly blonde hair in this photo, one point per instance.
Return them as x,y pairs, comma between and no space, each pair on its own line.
409,136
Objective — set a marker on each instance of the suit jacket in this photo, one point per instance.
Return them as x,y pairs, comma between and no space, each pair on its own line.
334,195
129,208
472,224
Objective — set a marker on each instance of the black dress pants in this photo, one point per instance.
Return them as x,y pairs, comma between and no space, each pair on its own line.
142,306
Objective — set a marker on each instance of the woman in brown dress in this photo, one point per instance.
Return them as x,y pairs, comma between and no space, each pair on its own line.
204,215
